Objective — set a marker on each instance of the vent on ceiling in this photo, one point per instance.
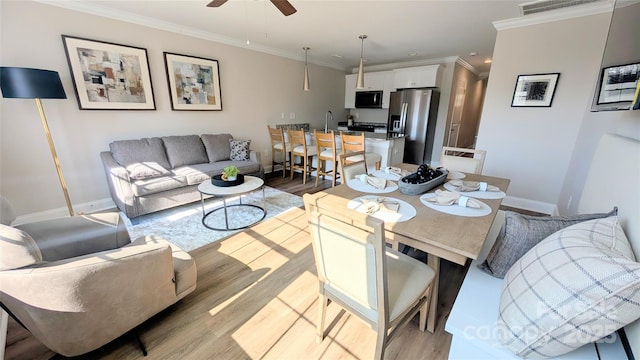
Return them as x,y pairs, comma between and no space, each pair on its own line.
539,6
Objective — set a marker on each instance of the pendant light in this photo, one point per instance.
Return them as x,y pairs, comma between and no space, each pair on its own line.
305,85
360,81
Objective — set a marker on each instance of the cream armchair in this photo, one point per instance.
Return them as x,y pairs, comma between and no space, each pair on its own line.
78,283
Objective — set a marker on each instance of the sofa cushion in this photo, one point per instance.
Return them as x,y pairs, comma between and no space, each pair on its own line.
520,233
143,158
217,146
244,167
239,149
196,174
184,150
17,249
156,185
574,287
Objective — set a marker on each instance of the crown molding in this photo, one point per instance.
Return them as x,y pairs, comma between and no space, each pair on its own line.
175,28
556,15
406,64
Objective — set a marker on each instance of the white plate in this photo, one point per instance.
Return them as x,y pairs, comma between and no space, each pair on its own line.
405,212
358,185
489,195
455,209
455,175
383,175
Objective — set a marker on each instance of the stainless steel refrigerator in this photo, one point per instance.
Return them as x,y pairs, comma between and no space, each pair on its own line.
412,114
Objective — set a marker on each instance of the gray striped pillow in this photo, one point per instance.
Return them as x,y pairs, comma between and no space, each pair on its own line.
575,287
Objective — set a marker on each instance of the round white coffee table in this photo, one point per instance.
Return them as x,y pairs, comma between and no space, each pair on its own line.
251,184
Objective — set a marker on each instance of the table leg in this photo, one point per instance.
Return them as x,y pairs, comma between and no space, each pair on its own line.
434,262
264,204
226,218
202,202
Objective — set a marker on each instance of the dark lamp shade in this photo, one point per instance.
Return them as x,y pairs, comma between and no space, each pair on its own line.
26,83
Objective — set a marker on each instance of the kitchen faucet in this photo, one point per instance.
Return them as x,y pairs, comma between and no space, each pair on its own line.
326,121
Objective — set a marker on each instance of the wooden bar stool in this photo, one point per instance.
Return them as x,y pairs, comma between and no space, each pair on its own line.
279,146
355,143
326,150
299,147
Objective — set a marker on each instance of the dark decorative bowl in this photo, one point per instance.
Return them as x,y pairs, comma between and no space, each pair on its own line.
417,189
217,181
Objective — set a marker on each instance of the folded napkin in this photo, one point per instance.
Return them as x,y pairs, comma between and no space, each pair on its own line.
444,197
466,186
380,204
396,171
376,182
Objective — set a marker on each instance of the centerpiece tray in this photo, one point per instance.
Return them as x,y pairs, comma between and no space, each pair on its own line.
217,181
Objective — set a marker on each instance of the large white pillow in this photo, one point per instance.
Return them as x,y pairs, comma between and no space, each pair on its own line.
575,287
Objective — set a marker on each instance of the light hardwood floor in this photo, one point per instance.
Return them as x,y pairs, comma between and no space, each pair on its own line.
256,298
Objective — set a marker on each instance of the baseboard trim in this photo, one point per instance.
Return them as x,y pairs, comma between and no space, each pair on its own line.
79,209
531,205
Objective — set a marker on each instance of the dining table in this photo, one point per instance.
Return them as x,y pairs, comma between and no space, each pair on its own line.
439,234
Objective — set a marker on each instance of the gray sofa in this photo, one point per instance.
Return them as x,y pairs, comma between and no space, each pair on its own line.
153,174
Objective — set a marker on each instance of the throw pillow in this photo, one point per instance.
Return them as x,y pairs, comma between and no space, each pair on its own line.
17,249
576,286
522,232
239,149
143,158
185,150
217,146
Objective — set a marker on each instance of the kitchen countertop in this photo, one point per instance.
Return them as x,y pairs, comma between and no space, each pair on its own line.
367,134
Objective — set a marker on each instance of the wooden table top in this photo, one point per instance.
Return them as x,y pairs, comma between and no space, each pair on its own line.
451,237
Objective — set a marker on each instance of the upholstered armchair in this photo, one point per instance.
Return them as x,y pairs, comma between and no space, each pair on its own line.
79,282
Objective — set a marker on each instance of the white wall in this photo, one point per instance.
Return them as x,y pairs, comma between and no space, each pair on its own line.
544,150
256,89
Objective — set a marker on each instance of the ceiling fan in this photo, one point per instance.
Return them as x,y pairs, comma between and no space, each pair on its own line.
283,5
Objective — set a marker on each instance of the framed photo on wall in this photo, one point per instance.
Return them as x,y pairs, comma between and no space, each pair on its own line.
618,84
108,76
535,90
194,82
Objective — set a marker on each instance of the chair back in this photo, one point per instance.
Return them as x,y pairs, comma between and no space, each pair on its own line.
325,144
298,142
277,136
352,143
353,164
350,255
455,159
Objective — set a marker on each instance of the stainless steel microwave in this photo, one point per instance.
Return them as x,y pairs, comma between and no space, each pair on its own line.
368,99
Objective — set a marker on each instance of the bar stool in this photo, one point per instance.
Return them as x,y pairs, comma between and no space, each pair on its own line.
355,143
326,150
299,147
279,146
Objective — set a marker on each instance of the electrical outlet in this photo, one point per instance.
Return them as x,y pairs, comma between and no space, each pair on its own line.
569,202
282,116
292,116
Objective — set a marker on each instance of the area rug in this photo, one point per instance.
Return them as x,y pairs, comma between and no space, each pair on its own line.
183,227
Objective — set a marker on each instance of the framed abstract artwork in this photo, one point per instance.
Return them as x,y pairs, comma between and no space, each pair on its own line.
618,84
108,76
535,90
194,82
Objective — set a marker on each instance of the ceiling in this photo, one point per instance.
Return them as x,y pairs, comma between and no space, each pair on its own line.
398,31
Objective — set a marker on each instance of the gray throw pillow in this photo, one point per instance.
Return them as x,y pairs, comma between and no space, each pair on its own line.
185,150
574,287
217,146
520,233
143,158
240,149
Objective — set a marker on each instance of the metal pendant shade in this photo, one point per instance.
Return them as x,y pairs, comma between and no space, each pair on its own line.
360,80
305,85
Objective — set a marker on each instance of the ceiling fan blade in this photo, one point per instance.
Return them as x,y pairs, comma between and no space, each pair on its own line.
284,6
216,3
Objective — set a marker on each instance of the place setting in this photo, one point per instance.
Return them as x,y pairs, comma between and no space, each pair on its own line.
390,173
475,189
372,184
387,209
453,203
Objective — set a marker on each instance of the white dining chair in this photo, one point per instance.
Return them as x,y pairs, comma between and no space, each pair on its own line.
461,159
350,168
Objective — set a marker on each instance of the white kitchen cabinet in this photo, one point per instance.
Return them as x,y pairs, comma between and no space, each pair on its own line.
379,80
417,77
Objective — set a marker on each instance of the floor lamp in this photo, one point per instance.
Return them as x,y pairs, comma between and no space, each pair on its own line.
25,83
